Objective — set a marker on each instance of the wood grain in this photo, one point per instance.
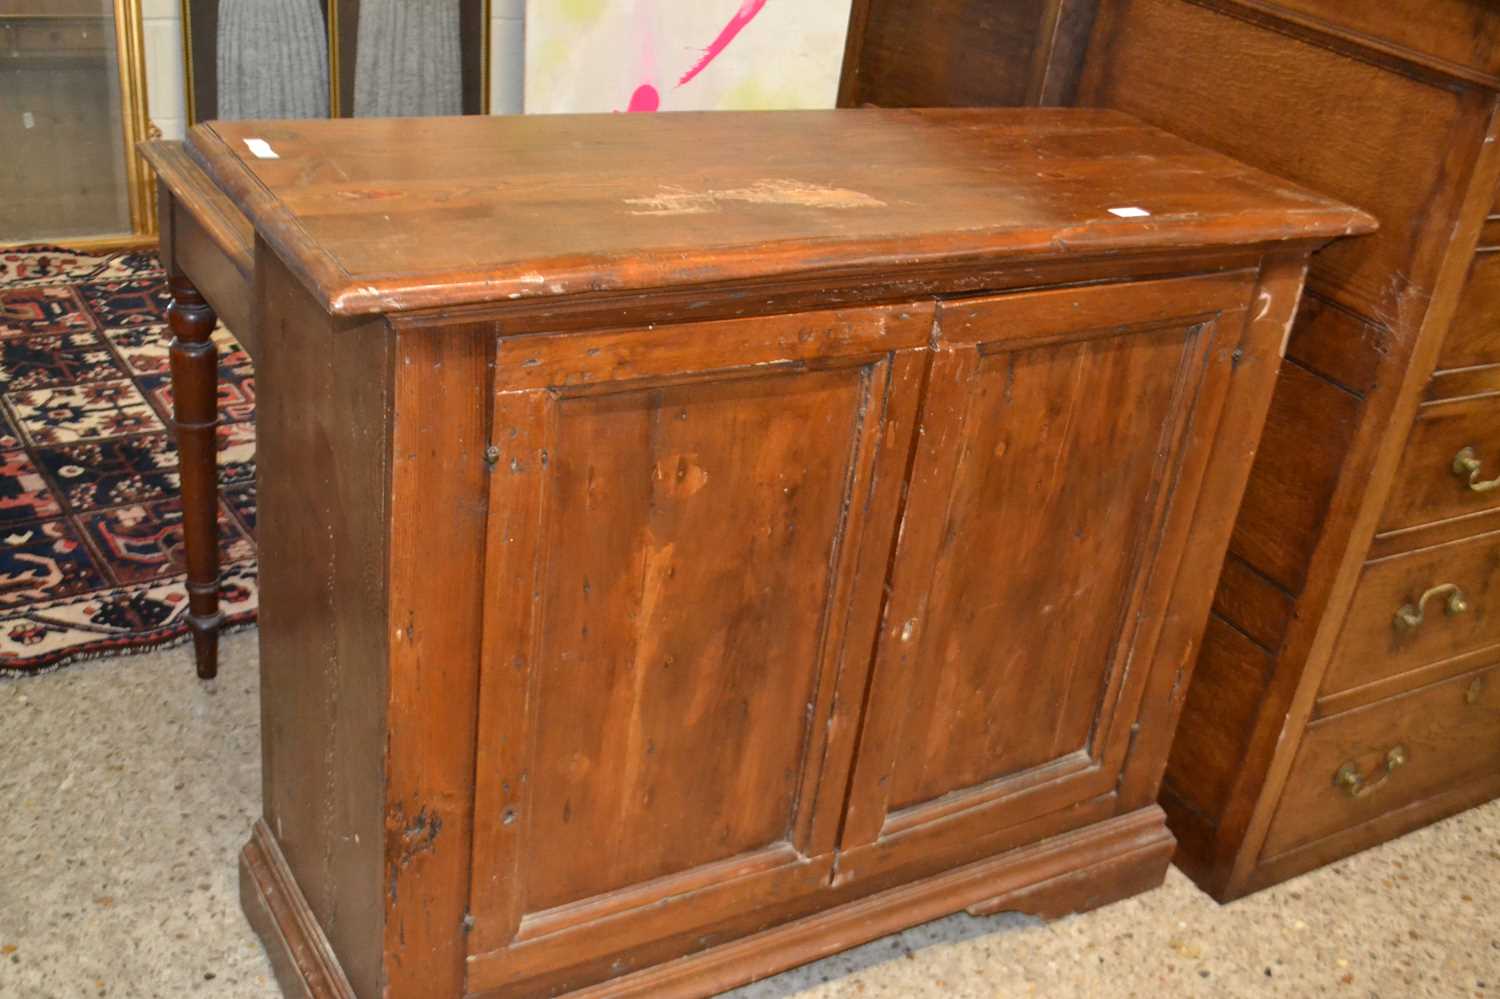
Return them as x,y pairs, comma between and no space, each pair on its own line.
773,194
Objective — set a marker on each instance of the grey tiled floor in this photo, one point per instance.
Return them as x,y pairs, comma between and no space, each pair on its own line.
125,794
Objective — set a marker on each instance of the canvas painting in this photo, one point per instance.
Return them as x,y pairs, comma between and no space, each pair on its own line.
682,55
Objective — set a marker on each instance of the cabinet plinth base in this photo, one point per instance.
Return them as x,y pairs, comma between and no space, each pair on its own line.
1074,872
300,955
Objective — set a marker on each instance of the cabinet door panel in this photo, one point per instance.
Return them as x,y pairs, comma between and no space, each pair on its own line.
1063,487
1052,437
678,557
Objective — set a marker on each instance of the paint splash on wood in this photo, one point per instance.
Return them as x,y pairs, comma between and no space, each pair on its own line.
671,200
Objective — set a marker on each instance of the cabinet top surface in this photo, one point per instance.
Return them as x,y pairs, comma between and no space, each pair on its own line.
387,214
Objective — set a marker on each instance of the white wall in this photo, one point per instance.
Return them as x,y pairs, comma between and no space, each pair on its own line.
166,93
507,55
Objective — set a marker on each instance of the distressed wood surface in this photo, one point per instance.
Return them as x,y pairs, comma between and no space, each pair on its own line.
392,214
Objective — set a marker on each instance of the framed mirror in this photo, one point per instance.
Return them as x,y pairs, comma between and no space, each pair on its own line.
72,79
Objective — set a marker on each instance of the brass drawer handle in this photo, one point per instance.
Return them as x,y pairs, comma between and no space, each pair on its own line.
1466,465
1356,785
1412,615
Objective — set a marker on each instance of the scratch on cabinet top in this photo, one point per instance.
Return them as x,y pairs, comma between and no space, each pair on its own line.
681,201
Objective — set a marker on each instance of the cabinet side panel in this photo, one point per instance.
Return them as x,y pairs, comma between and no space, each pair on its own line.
321,470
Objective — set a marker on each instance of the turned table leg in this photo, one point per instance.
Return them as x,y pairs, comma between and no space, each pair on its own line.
195,375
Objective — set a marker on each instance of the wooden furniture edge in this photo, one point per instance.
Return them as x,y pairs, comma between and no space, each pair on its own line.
1128,854
772,262
280,230
225,224
300,954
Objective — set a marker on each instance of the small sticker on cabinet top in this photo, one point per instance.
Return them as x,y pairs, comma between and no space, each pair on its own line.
1130,212
261,149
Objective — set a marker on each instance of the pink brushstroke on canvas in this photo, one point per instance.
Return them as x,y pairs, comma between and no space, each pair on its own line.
736,24
646,97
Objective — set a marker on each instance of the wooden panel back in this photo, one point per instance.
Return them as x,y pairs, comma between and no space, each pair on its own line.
1465,33
951,53
1217,717
1396,145
1307,435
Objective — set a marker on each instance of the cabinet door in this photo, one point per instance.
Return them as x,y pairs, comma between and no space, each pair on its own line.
689,529
1032,570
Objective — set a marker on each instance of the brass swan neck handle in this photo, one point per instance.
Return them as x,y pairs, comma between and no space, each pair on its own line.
1357,785
1466,465
1411,616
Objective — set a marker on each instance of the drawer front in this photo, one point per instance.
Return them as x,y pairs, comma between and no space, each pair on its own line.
1474,337
1391,629
1451,466
1357,766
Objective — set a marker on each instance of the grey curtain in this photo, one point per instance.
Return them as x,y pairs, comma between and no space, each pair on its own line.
409,60
273,59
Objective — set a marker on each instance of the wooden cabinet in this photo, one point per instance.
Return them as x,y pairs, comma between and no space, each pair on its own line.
723,575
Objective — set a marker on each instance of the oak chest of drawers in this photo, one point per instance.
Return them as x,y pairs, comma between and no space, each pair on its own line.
668,581
1345,692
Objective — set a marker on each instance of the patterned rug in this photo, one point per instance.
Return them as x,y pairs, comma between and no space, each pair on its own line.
90,541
